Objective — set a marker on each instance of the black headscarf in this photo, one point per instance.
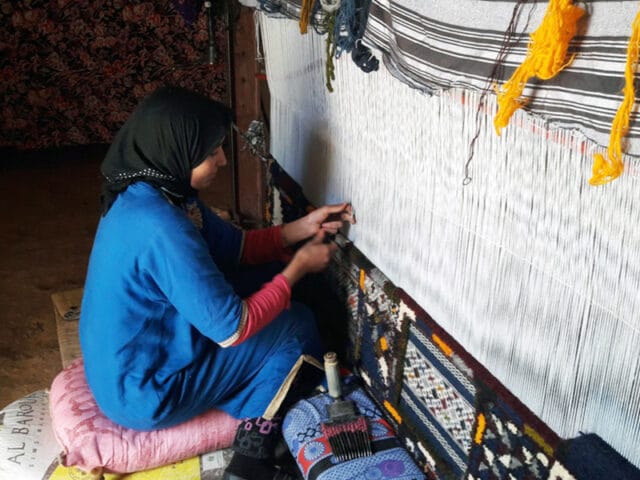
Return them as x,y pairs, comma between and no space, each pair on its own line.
170,132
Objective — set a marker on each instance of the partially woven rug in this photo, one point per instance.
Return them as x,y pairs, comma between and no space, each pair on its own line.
453,416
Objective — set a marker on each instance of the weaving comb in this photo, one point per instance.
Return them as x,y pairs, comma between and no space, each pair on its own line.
346,430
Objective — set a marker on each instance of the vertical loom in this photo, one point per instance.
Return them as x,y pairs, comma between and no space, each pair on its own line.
536,274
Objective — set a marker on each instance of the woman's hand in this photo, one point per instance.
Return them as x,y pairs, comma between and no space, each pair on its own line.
328,218
313,256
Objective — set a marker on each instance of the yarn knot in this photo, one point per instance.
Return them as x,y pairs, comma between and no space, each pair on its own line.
545,58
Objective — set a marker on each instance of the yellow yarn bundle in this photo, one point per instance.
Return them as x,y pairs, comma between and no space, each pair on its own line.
607,169
546,54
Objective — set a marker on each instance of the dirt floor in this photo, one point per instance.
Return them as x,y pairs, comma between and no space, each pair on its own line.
49,214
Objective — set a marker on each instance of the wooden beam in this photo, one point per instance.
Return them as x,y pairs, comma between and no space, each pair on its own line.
249,171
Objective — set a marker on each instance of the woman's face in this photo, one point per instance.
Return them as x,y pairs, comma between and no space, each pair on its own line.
202,176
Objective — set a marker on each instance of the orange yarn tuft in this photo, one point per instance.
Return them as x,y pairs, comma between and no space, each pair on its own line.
446,349
305,15
607,169
394,413
545,56
481,425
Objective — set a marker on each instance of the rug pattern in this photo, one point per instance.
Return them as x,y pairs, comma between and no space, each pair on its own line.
451,414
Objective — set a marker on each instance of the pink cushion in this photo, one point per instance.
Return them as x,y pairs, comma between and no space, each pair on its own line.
91,441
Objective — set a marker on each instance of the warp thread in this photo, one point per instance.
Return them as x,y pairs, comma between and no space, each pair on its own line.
608,169
498,65
545,57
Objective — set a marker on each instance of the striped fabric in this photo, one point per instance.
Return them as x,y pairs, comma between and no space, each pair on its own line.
437,44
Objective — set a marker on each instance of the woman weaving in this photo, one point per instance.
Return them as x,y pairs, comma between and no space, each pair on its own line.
169,328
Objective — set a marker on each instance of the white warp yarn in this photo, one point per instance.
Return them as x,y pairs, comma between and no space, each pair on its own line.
533,271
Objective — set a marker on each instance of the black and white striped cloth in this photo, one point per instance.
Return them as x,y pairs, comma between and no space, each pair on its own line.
436,45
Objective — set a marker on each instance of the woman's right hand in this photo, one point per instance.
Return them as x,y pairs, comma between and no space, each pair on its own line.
313,256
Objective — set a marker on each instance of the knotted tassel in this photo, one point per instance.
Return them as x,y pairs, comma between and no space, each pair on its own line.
608,169
331,8
330,49
305,15
546,55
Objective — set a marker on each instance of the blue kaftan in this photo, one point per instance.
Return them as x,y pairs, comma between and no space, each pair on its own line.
156,304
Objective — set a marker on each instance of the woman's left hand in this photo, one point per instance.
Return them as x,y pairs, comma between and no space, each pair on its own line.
329,218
